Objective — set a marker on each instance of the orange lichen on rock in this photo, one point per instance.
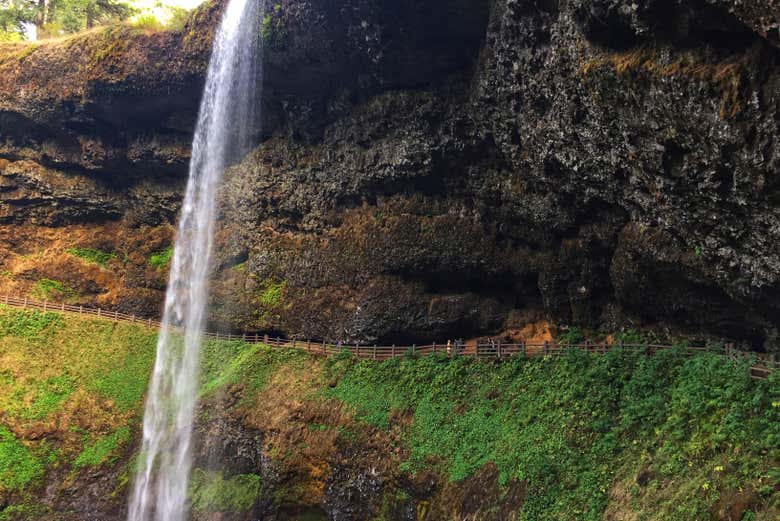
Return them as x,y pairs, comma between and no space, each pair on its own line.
30,254
725,74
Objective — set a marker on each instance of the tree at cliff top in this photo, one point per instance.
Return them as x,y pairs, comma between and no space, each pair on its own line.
52,18
75,15
14,14
58,17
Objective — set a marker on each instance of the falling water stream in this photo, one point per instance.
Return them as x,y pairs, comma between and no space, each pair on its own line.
225,124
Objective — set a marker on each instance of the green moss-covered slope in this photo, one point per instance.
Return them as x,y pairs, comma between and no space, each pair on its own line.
71,391
619,437
665,437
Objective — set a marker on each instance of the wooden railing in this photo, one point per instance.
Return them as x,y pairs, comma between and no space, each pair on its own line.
761,367
24,302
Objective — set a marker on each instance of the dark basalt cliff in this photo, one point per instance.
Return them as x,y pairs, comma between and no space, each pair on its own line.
431,169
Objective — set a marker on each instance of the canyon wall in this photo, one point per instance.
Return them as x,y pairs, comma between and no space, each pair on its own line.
424,169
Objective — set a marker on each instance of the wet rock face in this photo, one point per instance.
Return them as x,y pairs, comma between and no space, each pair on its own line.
620,24
521,181
351,496
438,169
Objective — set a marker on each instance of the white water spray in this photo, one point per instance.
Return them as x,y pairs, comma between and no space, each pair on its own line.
225,122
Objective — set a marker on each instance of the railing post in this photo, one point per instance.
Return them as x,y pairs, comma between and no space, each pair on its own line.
6,299
116,314
357,350
546,347
62,308
265,339
392,351
25,303
498,349
132,319
476,349
81,310
414,349
522,346
98,312
44,306
374,353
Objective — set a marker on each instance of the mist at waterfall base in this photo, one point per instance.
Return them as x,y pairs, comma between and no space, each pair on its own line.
229,112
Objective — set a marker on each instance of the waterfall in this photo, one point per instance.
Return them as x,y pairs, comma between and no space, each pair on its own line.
226,120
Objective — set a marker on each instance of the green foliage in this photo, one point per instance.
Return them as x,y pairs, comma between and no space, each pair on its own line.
226,363
69,372
24,512
13,15
18,466
270,300
47,397
48,289
104,450
272,295
72,16
26,323
571,337
124,377
178,18
272,28
631,336
212,492
161,259
92,255
568,426
148,22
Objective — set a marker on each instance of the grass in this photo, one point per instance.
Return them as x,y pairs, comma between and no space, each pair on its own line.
103,450
48,289
666,437
27,324
123,379
161,259
227,363
24,512
19,467
80,380
577,431
92,255
570,428
211,492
